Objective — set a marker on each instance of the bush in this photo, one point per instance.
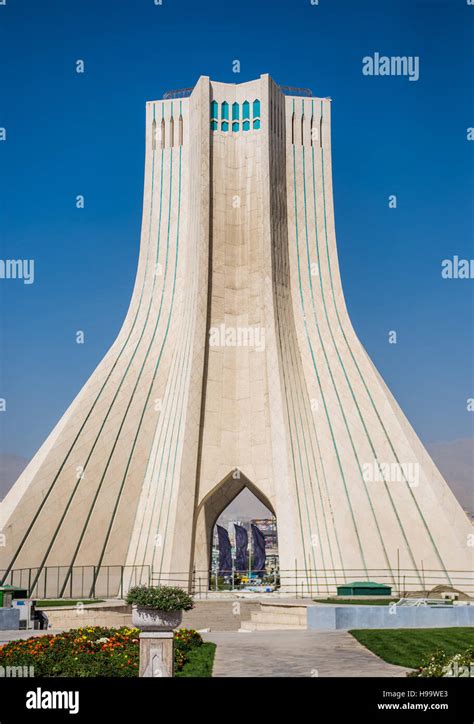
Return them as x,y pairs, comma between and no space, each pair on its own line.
185,639
162,598
93,651
440,664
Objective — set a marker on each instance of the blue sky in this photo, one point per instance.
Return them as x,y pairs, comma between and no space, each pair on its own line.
70,134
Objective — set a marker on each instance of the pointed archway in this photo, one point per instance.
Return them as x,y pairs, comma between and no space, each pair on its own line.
208,512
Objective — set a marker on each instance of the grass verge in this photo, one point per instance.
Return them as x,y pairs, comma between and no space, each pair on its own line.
200,662
408,646
358,601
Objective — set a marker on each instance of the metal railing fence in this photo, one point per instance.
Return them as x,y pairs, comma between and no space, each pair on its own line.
81,581
114,581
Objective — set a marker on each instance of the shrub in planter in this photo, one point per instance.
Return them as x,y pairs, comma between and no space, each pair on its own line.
162,598
158,607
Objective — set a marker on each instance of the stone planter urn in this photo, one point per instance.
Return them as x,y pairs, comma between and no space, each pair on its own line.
156,624
152,619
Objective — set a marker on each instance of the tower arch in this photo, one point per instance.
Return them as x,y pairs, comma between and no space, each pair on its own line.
208,512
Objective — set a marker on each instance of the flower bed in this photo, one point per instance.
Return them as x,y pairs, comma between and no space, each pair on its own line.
440,664
89,652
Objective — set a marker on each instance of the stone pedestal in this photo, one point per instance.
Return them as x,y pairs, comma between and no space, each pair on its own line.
156,654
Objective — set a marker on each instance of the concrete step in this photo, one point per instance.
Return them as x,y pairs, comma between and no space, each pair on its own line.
275,617
287,608
224,615
260,626
278,617
290,610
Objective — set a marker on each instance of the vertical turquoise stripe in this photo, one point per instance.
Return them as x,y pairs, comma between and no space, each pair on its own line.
371,399
316,517
118,389
317,374
50,489
323,348
346,376
296,432
286,387
313,425
177,377
157,362
186,360
123,378
66,509
172,375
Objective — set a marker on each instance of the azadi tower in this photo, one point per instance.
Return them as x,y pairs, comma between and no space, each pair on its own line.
237,365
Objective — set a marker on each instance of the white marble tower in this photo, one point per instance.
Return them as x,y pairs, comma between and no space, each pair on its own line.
237,365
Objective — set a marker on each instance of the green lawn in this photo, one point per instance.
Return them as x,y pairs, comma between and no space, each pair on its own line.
407,646
66,602
358,601
201,659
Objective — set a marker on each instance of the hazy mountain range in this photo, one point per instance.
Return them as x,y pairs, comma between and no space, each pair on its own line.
455,461
11,466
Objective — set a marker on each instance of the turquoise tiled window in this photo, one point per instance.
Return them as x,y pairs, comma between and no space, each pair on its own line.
256,114
214,115
230,117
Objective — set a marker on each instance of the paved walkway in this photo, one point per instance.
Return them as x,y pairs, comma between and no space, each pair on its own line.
295,653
